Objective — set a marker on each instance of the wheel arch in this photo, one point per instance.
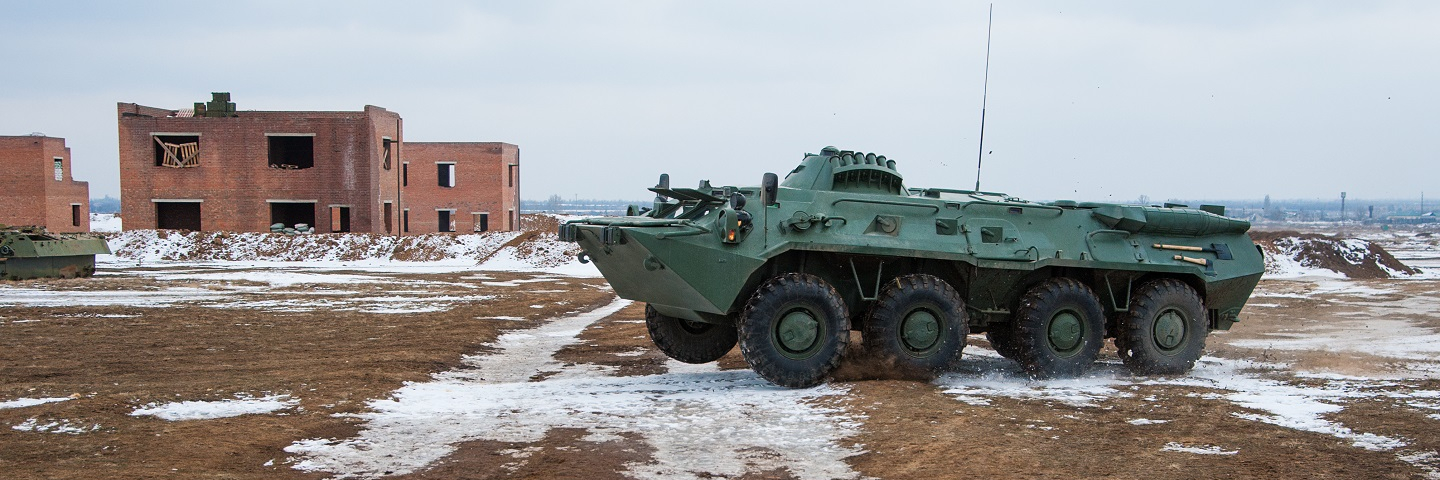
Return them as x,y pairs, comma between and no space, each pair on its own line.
857,277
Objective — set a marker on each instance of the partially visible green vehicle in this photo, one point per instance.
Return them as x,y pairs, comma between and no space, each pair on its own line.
31,252
789,268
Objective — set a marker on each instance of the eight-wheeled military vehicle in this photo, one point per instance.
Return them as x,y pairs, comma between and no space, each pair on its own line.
31,252
788,268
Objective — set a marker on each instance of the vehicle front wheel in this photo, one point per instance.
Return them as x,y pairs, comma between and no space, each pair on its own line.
1059,329
687,341
917,326
794,330
1164,332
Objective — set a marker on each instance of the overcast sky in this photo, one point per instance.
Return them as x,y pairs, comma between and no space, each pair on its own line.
1089,101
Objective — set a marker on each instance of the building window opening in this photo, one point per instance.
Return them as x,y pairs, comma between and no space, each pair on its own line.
445,172
389,224
75,214
512,220
177,215
296,215
510,171
59,169
339,219
385,153
446,221
404,174
177,151
482,222
405,220
292,152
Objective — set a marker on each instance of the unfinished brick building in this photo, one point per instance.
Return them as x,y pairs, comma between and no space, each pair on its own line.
218,168
39,189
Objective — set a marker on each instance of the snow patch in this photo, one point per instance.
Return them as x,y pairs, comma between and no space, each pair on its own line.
28,402
739,420
1197,449
205,410
104,222
56,426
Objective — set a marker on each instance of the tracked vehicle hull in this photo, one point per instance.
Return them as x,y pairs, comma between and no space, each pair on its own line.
29,253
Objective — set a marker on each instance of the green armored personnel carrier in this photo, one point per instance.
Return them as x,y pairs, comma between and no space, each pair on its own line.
789,268
31,252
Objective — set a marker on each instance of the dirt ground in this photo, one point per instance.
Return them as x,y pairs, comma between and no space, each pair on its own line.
237,337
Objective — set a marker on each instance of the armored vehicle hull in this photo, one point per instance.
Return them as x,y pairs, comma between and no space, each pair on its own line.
30,252
788,269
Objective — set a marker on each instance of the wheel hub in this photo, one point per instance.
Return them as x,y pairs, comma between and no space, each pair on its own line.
796,332
920,330
695,328
1169,330
1066,332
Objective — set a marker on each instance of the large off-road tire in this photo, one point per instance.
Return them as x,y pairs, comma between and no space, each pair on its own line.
687,341
917,326
1164,331
794,330
1059,329
1002,339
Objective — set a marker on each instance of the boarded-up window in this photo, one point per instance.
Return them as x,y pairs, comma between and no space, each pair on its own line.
385,153
75,214
177,151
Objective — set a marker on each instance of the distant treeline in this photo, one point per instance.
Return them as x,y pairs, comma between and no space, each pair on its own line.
579,206
105,205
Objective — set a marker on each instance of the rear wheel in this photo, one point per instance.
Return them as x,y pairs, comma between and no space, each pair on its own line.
688,341
794,330
1164,332
1059,329
917,326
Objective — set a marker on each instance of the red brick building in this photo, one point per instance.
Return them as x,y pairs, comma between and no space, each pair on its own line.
218,168
39,189
448,185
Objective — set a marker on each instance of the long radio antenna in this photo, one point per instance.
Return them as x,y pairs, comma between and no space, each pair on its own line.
984,98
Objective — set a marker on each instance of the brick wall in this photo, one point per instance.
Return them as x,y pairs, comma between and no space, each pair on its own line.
234,180
32,194
487,180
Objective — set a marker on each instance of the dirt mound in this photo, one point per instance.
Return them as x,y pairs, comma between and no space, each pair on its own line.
537,246
1354,258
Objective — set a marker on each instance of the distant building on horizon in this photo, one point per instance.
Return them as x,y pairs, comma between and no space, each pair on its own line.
214,167
39,187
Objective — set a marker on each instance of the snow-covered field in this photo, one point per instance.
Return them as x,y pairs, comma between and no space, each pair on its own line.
705,422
